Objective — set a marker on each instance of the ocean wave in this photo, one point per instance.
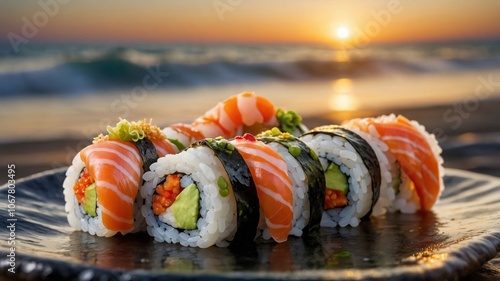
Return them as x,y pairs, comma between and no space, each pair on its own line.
113,72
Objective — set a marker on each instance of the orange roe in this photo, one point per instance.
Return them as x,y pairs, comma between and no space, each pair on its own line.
334,198
81,185
166,193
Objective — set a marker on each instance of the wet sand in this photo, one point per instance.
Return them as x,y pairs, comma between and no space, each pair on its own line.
443,100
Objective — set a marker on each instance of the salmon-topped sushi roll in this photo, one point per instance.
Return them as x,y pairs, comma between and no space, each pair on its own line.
243,113
103,182
274,186
413,170
308,181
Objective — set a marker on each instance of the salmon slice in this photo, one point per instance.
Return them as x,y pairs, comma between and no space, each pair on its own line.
266,108
164,147
188,131
415,155
116,167
227,118
274,187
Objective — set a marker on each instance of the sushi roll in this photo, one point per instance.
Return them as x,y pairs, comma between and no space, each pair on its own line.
308,180
390,172
273,184
203,196
242,113
413,172
352,174
101,185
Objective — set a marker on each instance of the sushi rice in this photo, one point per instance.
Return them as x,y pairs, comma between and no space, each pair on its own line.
217,217
339,151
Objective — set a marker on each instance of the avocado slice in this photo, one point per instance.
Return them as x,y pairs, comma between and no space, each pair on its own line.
335,179
90,203
186,207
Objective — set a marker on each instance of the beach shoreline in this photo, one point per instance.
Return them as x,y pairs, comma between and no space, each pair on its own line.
449,98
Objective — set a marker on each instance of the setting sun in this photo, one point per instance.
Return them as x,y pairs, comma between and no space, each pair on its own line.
342,33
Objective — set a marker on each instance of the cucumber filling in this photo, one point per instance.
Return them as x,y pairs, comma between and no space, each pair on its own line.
337,187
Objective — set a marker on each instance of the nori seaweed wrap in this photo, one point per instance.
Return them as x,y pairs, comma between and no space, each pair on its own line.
352,174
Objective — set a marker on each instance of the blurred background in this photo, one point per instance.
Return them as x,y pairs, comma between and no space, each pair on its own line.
69,68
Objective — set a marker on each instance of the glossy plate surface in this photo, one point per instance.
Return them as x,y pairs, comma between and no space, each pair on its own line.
458,236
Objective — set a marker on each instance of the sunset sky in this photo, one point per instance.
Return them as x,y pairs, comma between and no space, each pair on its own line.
241,21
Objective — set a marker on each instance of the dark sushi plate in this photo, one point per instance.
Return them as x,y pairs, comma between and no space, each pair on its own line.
454,240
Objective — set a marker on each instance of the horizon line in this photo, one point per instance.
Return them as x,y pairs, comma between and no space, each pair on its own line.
249,43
